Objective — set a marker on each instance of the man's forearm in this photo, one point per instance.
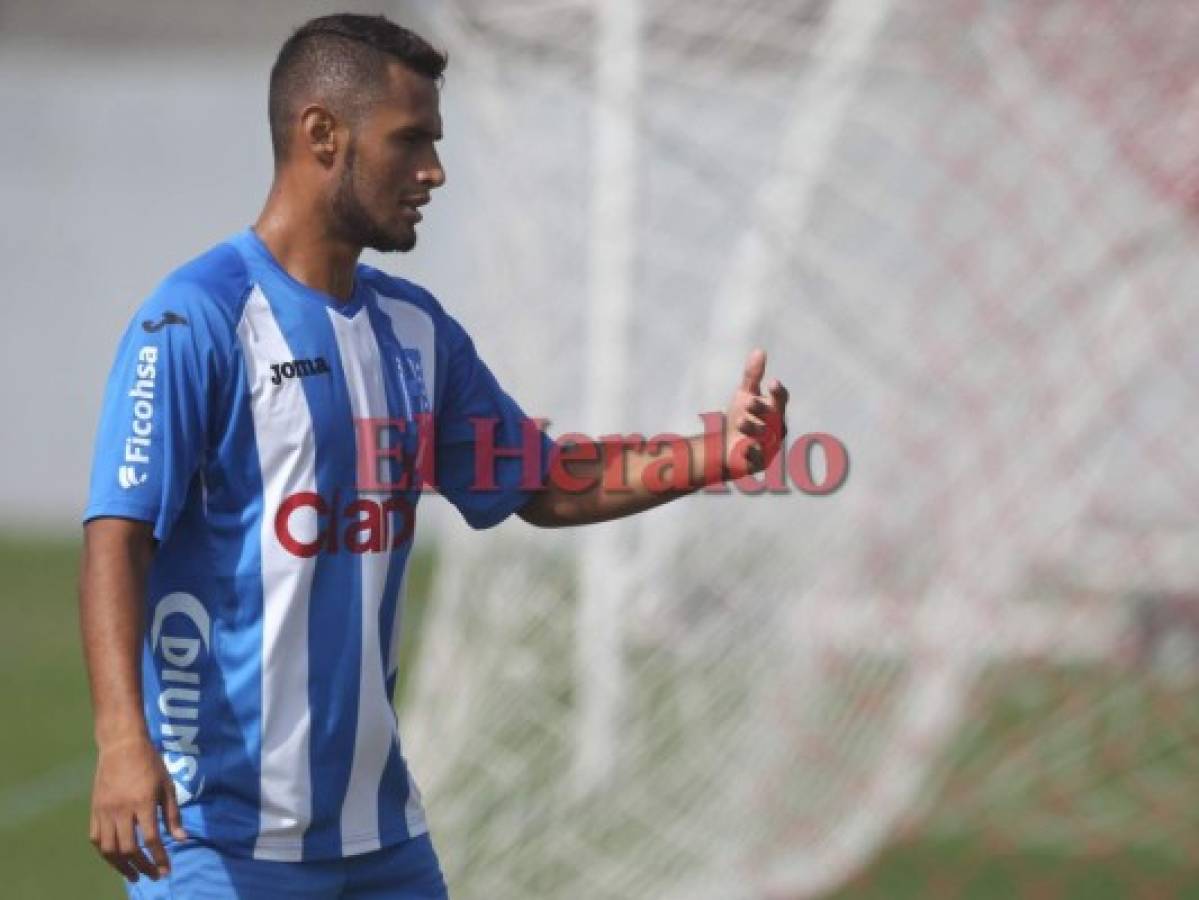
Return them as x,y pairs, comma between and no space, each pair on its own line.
625,479
116,560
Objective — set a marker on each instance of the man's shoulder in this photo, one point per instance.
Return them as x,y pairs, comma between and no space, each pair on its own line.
205,296
396,289
217,276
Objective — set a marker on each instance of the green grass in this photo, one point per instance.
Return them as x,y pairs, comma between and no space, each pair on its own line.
44,705
969,868
1101,763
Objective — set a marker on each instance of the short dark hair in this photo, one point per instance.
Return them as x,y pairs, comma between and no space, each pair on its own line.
341,58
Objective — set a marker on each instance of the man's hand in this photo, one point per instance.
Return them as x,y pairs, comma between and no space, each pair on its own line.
131,786
756,424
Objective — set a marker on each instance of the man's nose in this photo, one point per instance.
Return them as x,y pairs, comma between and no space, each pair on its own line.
433,174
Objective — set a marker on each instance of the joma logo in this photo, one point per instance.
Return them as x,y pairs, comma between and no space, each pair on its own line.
298,368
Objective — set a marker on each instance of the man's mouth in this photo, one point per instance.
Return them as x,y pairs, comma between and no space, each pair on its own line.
411,209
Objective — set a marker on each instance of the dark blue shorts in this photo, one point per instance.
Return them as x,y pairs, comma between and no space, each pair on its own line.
404,871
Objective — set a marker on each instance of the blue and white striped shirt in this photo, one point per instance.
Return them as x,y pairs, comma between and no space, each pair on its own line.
232,421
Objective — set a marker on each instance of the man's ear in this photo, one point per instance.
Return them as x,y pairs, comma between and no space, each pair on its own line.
318,130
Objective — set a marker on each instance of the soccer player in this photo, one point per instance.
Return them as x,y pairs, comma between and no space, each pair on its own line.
249,522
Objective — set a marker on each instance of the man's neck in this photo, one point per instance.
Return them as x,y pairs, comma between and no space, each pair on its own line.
297,235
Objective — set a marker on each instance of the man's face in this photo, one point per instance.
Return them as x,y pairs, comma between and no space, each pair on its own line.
390,165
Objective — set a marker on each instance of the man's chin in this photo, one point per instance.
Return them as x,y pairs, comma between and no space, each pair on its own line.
394,243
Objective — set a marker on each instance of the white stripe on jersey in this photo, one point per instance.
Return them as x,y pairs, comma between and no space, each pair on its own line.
287,458
414,809
359,351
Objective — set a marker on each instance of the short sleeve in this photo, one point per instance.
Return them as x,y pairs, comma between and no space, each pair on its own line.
153,422
489,456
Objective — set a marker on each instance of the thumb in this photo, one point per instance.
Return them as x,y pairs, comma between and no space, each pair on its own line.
755,368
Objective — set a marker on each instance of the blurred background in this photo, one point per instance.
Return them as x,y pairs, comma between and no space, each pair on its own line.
966,232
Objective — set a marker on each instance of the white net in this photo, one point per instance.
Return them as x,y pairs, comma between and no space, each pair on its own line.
965,233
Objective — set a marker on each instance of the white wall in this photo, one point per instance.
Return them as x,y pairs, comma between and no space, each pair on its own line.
124,157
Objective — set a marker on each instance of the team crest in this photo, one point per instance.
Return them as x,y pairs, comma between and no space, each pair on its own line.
414,376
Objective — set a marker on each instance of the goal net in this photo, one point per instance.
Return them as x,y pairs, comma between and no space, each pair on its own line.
965,232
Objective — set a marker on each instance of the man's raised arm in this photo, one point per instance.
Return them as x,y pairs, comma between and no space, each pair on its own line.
579,492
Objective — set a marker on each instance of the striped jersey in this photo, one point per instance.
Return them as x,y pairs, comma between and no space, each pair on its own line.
278,441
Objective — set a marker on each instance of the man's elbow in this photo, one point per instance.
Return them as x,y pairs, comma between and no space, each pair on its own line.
106,538
546,510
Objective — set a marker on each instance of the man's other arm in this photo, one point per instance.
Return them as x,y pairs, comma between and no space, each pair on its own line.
131,782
